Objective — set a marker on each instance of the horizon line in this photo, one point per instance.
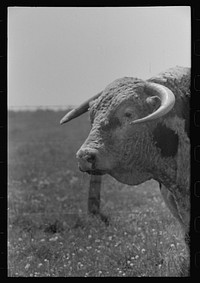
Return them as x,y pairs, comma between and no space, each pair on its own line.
40,107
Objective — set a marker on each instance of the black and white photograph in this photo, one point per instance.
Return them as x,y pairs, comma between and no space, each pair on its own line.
99,141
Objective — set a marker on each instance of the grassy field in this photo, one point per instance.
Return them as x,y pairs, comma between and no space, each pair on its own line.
50,232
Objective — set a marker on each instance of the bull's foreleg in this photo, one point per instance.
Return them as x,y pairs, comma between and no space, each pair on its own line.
171,204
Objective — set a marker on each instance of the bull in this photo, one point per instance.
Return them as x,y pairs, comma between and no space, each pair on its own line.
140,131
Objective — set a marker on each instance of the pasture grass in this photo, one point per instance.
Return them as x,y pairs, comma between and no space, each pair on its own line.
50,233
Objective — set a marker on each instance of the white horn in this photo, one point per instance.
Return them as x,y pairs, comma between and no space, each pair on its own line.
79,110
167,102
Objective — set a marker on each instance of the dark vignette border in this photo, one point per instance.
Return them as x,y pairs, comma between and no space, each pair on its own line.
195,141
194,115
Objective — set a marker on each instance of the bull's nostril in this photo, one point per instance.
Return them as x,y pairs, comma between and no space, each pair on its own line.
91,158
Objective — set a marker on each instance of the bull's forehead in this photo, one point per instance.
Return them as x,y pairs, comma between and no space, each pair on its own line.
115,93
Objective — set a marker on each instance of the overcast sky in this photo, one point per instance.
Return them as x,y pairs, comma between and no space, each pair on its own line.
62,56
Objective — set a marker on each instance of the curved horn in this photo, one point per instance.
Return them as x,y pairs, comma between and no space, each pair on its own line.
79,110
167,102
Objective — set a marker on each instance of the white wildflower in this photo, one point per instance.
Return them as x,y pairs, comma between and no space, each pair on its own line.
27,266
53,239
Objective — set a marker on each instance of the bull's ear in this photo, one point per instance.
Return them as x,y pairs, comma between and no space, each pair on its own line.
153,101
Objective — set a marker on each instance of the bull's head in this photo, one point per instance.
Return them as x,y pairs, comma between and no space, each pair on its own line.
120,141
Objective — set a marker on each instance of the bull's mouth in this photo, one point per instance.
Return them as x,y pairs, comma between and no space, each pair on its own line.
95,172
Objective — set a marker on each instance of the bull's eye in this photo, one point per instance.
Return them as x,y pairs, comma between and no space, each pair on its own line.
128,114
112,124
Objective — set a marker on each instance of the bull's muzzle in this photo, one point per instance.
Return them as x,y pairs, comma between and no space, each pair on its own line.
87,159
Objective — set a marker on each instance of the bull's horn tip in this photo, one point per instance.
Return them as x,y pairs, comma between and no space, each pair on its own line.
62,121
